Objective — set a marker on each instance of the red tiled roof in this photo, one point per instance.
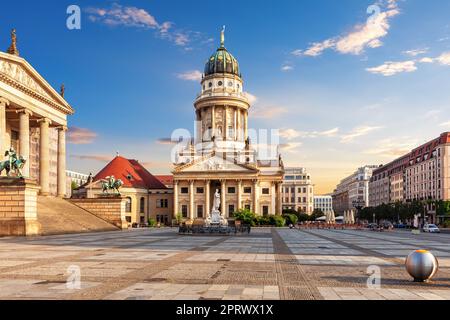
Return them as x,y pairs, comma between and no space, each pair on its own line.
122,168
165,179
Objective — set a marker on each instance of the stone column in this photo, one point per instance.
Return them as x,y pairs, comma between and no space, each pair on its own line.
238,125
24,139
255,197
273,196
279,200
175,199
223,204
239,195
3,145
225,121
191,200
213,121
62,161
44,156
207,198
245,129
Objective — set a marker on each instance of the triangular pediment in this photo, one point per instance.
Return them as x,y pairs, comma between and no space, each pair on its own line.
18,73
215,164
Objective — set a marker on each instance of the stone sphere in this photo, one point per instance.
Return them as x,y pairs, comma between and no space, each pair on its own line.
422,265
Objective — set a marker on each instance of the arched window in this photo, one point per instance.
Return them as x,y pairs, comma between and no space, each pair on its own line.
142,205
128,204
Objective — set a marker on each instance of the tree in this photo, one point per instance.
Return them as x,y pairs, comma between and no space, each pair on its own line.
73,185
246,216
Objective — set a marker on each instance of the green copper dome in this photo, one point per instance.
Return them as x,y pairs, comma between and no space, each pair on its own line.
222,61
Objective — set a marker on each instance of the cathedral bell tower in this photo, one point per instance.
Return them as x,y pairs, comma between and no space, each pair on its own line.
222,106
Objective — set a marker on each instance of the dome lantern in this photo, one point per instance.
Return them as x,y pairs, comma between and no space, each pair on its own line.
222,61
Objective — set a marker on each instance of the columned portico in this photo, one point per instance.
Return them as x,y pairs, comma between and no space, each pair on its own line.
175,199
239,194
3,104
44,156
62,161
24,139
223,185
207,197
255,197
191,200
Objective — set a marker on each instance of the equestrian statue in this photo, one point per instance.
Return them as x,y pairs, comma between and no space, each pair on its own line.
15,163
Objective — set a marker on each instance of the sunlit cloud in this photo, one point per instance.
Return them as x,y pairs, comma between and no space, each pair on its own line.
95,157
194,75
77,135
390,68
290,134
393,147
416,52
358,132
364,36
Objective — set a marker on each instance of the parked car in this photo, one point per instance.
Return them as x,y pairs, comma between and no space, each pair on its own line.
431,228
372,226
400,226
387,225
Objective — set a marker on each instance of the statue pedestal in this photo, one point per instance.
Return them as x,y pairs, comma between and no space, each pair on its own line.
216,219
18,207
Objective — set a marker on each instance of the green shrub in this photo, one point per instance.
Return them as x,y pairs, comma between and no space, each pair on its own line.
277,221
245,216
151,222
291,219
446,224
262,221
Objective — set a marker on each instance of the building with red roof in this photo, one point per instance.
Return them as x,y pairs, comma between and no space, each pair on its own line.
146,196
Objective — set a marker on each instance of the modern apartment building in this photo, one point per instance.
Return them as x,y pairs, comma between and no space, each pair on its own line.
353,191
298,190
324,203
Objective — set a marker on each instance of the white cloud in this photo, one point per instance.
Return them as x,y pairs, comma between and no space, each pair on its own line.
390,68
317,48
291,147
393,147
268,112
128,16
290,134
426,60
194,75
363,36
358,132
433,114
416,52
252,99
286,68
444,59
445,124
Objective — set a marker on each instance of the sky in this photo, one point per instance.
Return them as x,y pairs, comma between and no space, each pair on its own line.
347,83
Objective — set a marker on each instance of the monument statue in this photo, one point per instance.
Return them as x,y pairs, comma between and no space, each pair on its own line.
15,163
111,184
216,203
216,218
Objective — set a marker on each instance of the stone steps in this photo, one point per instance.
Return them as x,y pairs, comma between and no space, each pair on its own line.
58,216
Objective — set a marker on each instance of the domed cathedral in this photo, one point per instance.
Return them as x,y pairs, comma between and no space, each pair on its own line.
221,159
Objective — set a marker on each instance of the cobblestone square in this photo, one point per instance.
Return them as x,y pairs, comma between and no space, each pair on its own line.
268,264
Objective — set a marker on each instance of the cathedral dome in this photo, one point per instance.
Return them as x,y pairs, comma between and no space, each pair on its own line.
222,61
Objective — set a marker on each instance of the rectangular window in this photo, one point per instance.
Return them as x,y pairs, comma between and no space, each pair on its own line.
247,190
199,211
128,219
231,210
231,190
265,191
247,207
184,190
265,210
200,190
162,203
184,210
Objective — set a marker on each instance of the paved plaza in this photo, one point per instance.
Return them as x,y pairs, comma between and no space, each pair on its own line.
267,264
